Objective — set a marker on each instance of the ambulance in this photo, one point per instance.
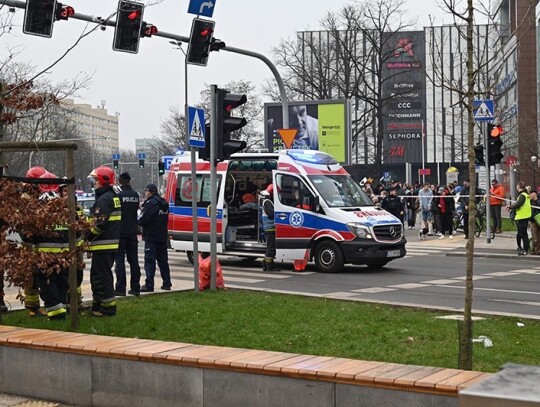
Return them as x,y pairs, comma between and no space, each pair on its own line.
321,214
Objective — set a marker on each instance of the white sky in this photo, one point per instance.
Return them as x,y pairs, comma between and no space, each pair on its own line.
143,86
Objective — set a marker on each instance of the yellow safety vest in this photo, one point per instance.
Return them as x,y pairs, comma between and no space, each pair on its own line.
525,210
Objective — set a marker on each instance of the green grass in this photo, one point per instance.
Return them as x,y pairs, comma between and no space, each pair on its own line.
508,225
314,326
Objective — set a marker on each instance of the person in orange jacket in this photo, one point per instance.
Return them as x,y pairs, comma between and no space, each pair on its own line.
496,200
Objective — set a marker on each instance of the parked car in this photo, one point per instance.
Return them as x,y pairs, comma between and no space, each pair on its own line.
86,202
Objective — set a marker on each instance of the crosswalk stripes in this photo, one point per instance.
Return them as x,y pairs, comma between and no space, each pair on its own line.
415,249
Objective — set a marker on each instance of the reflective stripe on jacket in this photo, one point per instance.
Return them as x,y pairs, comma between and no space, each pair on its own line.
107,213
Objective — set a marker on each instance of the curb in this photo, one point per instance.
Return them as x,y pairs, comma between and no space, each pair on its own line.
495,256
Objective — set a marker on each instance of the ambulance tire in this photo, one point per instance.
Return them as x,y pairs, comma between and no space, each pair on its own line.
328,257
190,257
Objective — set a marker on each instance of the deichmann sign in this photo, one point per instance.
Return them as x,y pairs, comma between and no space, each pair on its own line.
321,125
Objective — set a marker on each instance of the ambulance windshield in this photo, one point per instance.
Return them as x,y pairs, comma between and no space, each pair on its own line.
340,191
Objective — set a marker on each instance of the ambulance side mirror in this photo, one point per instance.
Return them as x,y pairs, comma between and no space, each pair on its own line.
315,204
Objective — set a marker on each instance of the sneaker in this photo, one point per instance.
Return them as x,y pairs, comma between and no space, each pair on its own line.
145,289
133,292
442,237
522,253
166,287
451,237
420,235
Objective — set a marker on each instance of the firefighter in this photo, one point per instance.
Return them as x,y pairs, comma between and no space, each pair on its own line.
31,291
103,240
269,228
53,287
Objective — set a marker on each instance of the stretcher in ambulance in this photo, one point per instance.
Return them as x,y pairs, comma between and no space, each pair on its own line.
321,214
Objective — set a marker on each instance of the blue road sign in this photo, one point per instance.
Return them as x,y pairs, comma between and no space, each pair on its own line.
202,7
142,156
167,159
196,127
483,110
116,156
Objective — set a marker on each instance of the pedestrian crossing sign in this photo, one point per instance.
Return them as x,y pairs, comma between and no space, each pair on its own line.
196,127
483,110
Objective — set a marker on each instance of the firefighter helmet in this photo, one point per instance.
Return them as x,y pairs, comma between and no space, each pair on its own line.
105,175
35,172
270,189
48,187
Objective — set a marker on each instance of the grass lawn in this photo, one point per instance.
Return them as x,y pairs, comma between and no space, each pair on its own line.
314,326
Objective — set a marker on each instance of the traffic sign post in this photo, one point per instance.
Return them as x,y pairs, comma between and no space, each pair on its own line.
483,111
167,160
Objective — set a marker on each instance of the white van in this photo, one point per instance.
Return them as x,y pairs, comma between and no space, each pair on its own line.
321,214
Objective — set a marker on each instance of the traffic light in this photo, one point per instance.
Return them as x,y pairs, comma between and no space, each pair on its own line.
147,30
479,155
63,12
115,164
141,162
200,41
39,17
204,153
161,168
495,143
129,20
227,124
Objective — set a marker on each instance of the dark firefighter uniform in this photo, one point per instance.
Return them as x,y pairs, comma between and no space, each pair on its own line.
103,244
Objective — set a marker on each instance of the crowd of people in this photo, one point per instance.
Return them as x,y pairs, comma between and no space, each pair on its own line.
435,205
114,222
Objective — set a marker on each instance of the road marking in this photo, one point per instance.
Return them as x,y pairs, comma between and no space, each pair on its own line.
340,294
492,289
181,274
408,286
374,290
440,281
482,277
501,274
534,304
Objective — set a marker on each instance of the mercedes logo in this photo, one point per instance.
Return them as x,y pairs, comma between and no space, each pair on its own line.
392,231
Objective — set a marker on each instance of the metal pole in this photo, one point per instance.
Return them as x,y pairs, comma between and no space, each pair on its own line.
73,299
213,186
194,193
488,184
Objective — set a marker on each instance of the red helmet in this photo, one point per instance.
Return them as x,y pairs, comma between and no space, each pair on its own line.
270,189
105,175
48,187
35,172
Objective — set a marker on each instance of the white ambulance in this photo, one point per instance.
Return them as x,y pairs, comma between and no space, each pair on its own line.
321,214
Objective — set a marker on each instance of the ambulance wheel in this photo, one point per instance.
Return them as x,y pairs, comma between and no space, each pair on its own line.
328,257
190,257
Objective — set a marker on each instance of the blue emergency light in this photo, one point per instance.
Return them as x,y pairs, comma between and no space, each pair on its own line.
312,157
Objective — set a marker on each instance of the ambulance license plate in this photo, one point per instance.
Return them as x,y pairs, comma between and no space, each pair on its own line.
393,253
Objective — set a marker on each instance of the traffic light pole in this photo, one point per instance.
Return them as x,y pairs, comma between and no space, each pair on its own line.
488,183
112,23
213,186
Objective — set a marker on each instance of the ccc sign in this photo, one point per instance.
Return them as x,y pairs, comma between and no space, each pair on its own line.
408,105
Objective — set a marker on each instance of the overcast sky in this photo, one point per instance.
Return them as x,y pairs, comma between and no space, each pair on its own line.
142,87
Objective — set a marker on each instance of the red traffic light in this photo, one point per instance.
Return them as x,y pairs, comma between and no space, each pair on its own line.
134,15
496,131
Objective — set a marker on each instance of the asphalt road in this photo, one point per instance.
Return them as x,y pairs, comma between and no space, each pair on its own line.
431,275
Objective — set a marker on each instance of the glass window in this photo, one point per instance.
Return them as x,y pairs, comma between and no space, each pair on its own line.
340,191
292,191
184,190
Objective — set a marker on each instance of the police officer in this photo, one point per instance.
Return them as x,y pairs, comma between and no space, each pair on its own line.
128,245
269,228
154,219
103,241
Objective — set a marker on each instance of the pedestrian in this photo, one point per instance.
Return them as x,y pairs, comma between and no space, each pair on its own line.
464,202
534,223
425,197
412,205
446,207
523,211
496,199
154,219
128,244
269,228
393,204
103,241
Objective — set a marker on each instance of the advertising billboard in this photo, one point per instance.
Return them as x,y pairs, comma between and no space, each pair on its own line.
320,125
404,89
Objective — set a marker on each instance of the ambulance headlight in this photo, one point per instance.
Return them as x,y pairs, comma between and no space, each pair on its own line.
360,230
